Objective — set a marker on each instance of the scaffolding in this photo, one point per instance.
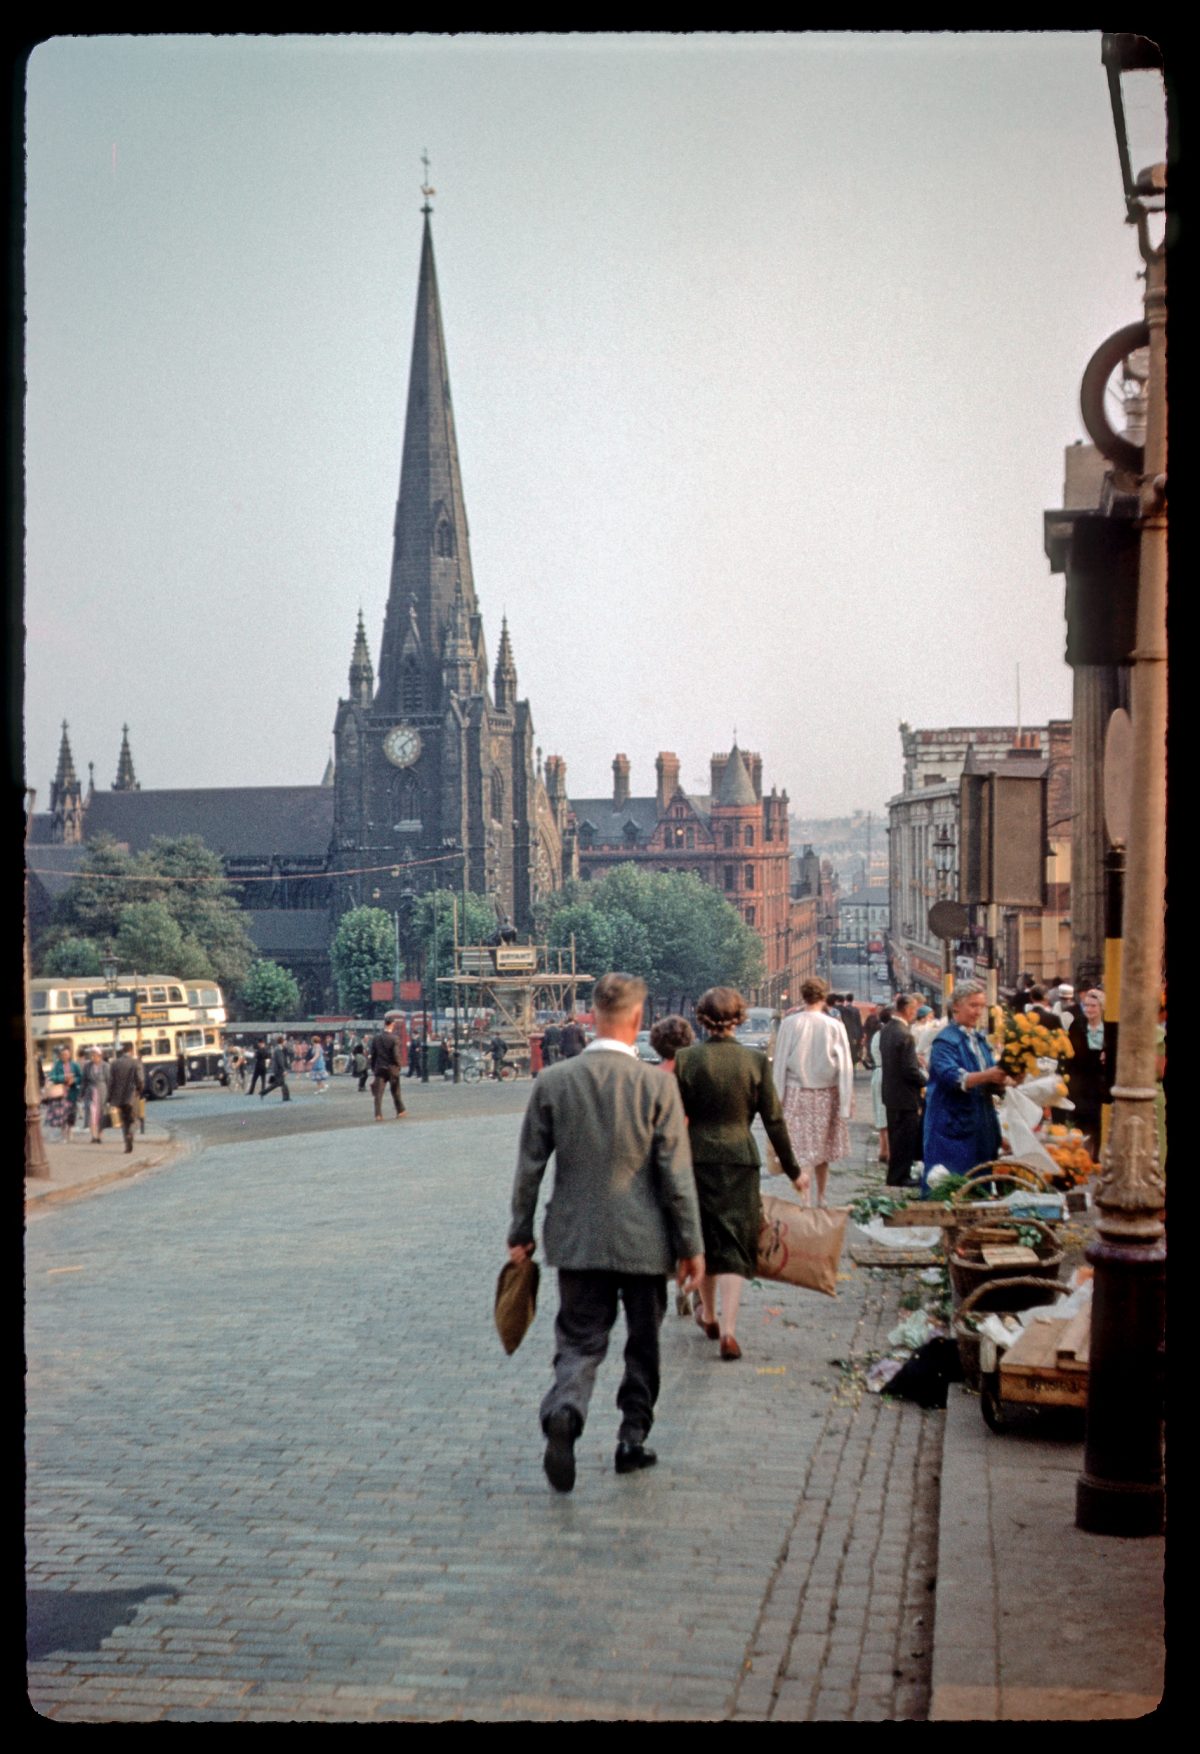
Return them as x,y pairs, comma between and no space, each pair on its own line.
514,982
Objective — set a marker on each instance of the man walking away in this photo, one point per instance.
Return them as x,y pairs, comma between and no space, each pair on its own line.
385,1064
903,1084
278,1079
571,1039
125,1082
258,1074
551,1038
624,1209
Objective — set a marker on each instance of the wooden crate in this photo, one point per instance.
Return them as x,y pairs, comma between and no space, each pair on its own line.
930,1216
1047,1366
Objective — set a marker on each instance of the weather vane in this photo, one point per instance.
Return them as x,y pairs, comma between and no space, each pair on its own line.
426,190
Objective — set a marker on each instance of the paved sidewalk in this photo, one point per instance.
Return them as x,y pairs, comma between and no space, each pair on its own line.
81,1167
1036,1619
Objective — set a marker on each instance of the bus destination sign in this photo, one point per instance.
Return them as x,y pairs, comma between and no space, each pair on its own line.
119,1004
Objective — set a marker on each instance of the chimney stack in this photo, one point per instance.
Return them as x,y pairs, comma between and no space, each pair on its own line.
620,781
667,769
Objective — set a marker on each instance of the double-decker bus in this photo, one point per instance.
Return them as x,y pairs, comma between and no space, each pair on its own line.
64,1009
204,1044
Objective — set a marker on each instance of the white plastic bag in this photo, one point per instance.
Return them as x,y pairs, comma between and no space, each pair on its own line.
1018,1117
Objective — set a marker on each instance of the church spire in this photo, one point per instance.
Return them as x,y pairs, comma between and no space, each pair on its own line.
505,680
65,778
362,676
431,555
66,797
126,780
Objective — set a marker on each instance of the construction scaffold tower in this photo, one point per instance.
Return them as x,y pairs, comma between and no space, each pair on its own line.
514,982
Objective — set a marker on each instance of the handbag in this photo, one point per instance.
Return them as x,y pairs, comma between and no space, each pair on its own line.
53,1092
516,1301
801,1245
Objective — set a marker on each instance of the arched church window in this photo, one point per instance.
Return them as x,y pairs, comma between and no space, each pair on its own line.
443,537
406,798
497,797
412,687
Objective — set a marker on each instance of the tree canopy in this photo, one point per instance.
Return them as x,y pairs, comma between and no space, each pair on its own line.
270,992
168,910
672,929
363,950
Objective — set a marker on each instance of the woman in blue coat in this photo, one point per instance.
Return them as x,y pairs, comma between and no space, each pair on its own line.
962,1127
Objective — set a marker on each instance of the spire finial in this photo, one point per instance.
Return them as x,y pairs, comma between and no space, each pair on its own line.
426,189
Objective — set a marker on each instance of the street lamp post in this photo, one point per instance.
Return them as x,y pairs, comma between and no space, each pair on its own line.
1120,1491
943,864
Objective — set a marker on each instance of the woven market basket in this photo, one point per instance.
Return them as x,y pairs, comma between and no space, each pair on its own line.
966,1273
1001,1297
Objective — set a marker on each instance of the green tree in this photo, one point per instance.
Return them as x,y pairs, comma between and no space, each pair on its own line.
148,939
673,930
217,945
73,956
363,950
270,992
177,873
90,905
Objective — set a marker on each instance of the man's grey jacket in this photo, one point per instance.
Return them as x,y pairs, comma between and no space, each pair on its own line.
624,1196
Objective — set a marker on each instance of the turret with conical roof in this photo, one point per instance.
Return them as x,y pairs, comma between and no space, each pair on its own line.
66,797
431,556
736,788
126,780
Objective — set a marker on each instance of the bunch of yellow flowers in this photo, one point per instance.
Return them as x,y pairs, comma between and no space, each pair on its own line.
1027,1040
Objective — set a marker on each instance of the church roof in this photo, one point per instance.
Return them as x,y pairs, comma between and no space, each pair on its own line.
284,931
54,867
236,821
610,823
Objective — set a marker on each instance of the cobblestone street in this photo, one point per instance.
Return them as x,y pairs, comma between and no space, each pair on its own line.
279,1467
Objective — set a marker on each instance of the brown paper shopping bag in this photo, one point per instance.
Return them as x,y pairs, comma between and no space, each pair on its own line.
801,1245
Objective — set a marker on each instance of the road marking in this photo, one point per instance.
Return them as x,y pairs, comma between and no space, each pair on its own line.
52,1270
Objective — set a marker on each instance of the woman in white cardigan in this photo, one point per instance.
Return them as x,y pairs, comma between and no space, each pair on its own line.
814,1075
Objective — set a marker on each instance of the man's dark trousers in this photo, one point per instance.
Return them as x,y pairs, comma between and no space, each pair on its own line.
905,1130
390,1080
259,1076
587,1310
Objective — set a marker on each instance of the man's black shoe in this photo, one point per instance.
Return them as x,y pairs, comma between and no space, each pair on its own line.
631,1456
559,1459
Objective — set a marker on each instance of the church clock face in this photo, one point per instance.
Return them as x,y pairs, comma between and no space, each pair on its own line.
402,745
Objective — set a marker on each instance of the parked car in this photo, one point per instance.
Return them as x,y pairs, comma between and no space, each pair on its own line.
644,1051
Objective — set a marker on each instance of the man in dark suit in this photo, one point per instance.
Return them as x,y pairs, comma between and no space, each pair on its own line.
126,1080
571,1039
385,1064
279,1066
623,1211
903,1083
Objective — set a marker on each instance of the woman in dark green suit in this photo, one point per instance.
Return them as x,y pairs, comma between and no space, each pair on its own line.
724,1085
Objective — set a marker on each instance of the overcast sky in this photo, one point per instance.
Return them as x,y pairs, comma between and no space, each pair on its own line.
764,352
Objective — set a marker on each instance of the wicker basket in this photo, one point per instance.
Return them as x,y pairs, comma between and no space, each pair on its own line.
1002,1297
966,1274
1010,1169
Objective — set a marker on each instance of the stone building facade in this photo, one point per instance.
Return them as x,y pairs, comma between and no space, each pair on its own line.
1036,939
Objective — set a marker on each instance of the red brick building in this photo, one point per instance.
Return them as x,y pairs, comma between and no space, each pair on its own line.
734,839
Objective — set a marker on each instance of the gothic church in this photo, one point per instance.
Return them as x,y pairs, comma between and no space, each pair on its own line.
434,761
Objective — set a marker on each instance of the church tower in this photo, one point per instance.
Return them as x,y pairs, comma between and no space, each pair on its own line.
428,763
